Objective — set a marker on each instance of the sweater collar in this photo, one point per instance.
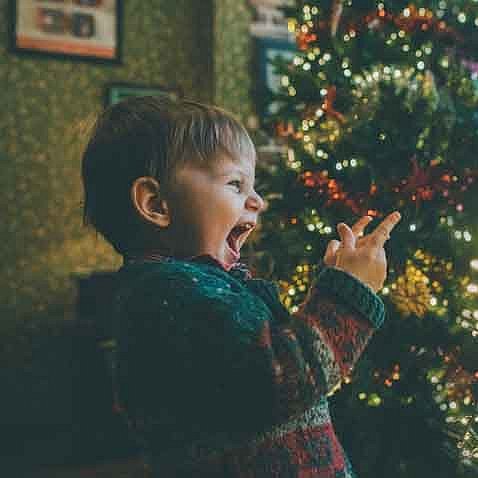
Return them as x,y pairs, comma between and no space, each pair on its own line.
237,269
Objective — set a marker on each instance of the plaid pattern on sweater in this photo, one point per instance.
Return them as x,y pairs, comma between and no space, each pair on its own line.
217,379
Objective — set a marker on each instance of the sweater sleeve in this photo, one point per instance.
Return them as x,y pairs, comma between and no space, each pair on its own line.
336,320
218,355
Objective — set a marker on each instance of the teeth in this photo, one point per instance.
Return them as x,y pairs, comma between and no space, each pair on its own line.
244,227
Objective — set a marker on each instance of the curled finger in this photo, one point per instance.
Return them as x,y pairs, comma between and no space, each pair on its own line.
347,237
331,252
359,227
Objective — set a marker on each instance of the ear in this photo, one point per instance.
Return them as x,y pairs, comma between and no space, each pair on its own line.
145,194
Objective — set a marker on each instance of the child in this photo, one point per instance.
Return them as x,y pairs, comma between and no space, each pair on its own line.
214,376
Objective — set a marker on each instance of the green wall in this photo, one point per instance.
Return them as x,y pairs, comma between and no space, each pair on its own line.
232,57
202,46
45,102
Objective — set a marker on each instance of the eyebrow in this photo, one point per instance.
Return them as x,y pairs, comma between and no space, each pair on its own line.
234,171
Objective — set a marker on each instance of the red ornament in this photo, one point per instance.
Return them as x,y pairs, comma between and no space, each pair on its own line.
328,105
304,39
424,183
285,130
333,190
420,185
411,23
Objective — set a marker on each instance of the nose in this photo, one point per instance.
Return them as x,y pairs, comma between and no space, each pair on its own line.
255,202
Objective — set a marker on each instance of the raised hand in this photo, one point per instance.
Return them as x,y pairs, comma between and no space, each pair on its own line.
330,257
363,257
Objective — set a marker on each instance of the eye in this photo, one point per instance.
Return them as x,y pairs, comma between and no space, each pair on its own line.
236,183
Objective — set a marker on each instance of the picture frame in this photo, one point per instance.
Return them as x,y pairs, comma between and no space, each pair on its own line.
115,92
269,81
270,20
89,30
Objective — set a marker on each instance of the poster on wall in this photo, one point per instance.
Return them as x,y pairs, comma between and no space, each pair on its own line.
270,21
269,50
116,92
74,29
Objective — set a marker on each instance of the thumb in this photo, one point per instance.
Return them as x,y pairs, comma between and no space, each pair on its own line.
347,237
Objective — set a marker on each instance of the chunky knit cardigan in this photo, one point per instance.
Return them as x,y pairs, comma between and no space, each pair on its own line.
217,379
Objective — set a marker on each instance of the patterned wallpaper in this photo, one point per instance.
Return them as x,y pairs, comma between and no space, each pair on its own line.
45,104
232,57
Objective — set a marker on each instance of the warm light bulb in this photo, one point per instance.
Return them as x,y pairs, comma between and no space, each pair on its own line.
472,288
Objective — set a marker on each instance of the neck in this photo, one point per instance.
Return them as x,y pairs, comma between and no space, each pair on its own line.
151,255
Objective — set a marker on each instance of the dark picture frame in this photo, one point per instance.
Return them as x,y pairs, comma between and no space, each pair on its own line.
115,92
267,49
89,30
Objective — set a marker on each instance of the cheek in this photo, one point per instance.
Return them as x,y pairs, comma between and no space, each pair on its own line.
206,214
230,207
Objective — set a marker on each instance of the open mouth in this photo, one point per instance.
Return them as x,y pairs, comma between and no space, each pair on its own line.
237,237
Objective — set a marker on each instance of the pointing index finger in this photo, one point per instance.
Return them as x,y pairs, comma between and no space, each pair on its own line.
383,230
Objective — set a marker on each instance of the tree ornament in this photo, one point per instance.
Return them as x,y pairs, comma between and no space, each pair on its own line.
411,292
304,39
285,129
328,105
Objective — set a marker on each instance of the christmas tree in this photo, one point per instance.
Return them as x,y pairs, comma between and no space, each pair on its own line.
378,112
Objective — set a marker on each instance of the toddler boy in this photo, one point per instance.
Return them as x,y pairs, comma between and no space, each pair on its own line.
215,377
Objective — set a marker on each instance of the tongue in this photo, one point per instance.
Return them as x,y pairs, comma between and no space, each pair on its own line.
232,248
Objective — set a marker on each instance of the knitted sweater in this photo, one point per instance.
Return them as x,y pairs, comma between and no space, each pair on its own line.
217,379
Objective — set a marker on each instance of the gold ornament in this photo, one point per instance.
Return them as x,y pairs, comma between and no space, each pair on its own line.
411,292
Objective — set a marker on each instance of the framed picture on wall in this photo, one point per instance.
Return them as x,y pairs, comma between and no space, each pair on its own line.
73,29
268,50
116,92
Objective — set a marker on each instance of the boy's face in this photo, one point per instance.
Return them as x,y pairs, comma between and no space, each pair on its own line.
207,204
